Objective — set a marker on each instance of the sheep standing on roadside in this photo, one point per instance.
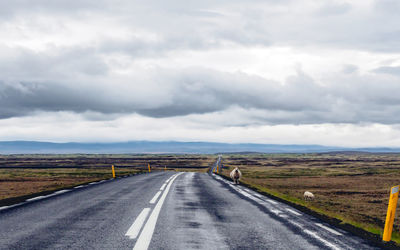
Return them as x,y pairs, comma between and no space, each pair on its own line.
308,196
236,175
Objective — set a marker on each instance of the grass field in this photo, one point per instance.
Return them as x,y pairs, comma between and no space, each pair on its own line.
352,187
18,182
22,175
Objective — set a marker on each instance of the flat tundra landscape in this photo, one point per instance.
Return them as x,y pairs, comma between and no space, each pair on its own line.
352,188
24,175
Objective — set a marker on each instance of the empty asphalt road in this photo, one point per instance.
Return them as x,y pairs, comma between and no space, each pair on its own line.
165,210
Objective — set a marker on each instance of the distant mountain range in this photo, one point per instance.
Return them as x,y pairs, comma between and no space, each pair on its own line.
35,147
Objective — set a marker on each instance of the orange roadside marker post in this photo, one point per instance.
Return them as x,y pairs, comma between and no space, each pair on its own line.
149,167
394,196
113,171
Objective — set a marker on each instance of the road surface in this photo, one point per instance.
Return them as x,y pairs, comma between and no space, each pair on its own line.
165,210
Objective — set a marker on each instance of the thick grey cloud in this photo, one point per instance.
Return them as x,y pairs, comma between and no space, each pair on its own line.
60,64
388,70
101,56
204,24
357,98
10,9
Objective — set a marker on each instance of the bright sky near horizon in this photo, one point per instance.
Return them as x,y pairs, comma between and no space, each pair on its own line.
286,72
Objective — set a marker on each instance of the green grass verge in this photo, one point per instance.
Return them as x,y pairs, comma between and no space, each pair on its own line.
369,228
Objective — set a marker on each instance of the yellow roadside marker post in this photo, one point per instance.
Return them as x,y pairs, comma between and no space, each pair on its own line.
113,171
394,196
149,168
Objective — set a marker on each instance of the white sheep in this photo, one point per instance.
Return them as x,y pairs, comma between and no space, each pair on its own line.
308,196
236,175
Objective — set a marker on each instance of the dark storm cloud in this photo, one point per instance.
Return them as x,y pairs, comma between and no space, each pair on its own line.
197,91
81,78
185,93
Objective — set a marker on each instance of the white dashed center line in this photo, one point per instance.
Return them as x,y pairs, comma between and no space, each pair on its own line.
134,230
152,201
144,239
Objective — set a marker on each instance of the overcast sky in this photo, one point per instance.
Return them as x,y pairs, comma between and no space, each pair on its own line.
273,71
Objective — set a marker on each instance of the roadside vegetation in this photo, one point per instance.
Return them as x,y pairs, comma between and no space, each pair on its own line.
22,175
351,187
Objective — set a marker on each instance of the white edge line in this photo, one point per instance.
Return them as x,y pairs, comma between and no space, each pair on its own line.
271,201
250,196
4,207
258,195
134,230
328,229
79,186
152,201
296,224
144,239
327,243
293,212
261,197
36,198
262,201
163,186
275,211
62,191
247,194
11,206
